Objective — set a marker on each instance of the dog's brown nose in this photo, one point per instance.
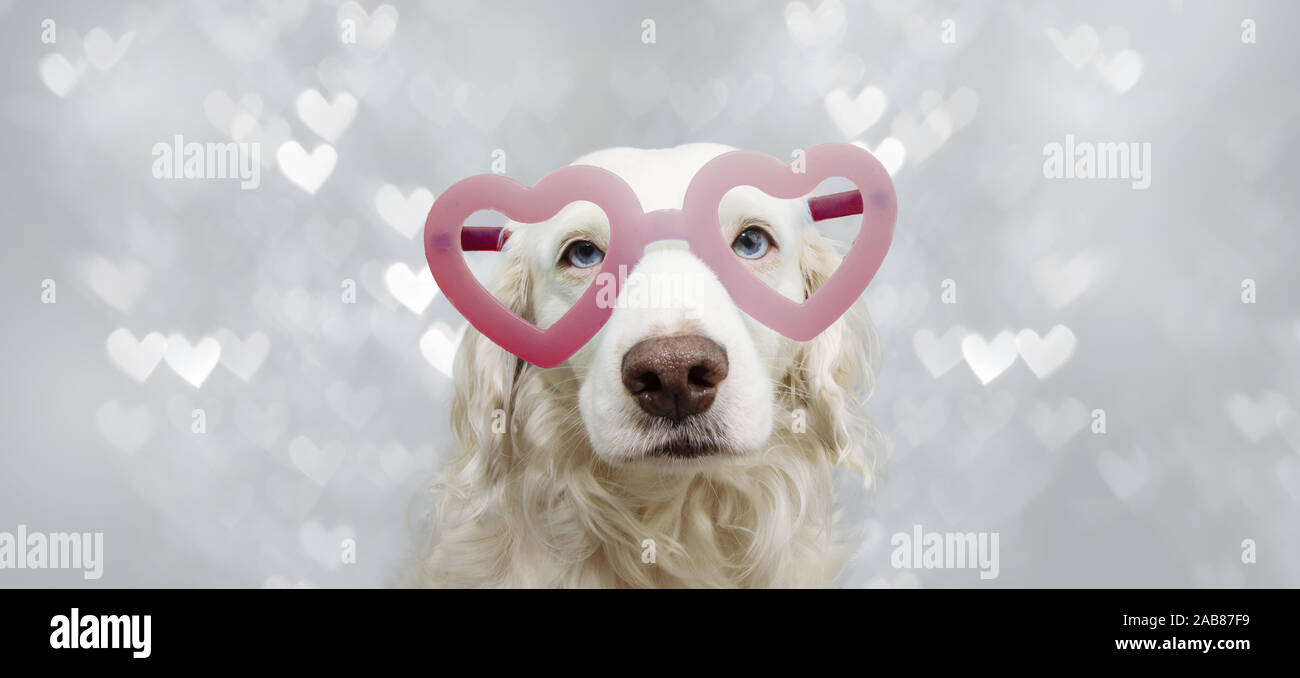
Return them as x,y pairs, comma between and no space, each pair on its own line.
674,377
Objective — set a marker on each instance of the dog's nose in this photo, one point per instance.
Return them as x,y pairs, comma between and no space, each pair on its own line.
674,377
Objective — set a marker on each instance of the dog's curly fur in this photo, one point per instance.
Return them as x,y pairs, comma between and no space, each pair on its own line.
535,507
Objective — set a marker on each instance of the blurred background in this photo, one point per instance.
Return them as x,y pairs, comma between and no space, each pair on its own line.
1106,377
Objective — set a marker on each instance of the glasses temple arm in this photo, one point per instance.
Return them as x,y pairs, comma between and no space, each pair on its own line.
835,205
483,238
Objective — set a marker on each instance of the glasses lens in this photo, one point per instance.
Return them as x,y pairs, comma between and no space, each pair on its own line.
543,268
791,245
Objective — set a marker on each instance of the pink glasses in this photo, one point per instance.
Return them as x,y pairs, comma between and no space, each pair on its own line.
630,230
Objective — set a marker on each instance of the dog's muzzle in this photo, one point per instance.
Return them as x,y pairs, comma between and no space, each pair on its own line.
674,377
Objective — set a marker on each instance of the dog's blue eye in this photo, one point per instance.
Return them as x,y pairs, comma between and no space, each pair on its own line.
752,243
583,254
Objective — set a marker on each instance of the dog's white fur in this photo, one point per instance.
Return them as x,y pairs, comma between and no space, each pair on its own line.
569,494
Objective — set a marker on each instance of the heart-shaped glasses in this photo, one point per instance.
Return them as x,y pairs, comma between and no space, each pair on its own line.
446,238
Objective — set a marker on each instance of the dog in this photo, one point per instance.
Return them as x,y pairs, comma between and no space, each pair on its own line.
685,445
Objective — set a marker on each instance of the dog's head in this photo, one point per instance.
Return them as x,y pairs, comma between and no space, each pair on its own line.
679,377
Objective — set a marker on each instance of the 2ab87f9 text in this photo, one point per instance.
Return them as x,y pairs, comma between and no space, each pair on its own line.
1157,621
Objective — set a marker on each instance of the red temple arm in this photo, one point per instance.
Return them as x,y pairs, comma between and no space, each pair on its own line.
835,205
483,238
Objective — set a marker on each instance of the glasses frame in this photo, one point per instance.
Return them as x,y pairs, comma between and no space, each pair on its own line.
446,238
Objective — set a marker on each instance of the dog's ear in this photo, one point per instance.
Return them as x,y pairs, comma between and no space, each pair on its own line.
486,375
836,369
485,378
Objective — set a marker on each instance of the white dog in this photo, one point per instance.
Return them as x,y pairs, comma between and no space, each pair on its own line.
684,445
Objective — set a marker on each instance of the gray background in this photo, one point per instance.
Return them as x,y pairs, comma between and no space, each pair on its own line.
1202,448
